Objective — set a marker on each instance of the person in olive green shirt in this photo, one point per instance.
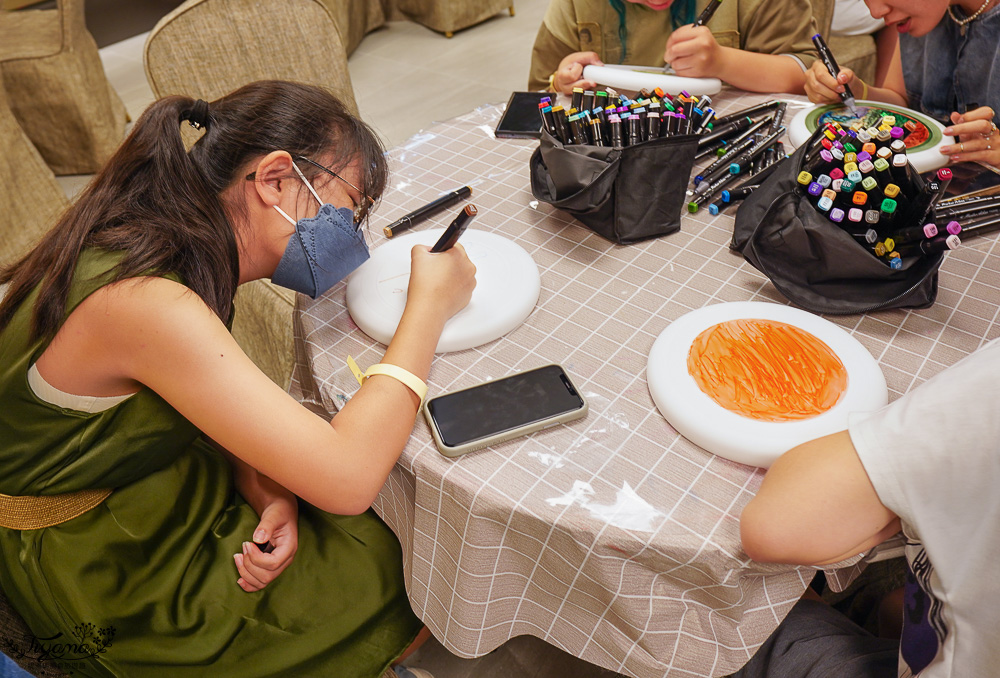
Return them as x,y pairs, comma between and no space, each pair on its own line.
755,45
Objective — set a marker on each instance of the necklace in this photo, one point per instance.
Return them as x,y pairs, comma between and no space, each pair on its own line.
962,22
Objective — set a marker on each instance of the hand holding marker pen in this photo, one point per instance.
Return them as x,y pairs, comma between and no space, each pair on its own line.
847,96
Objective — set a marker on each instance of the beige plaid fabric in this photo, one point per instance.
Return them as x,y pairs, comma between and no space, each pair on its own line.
612,537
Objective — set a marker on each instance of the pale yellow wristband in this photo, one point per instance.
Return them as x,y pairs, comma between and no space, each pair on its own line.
408,379
552,82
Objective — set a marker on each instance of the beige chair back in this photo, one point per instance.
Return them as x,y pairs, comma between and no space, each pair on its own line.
57,88
208,48
29,193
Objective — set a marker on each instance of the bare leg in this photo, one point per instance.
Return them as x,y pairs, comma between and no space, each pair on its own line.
421,638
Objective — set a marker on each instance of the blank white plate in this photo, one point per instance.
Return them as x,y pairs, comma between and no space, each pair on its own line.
507,287
704,422
635,78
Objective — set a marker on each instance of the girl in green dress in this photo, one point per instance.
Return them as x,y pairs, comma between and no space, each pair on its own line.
155,485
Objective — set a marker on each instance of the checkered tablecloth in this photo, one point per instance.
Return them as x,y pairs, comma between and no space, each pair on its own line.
612,537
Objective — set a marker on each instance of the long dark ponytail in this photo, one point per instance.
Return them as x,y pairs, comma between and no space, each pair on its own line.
161,205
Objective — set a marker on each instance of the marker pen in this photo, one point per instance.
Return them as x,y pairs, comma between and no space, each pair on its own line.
577,98
596,135
751,111
707,13
847,96
681,123
932,191
871,217
615,125
426,211
731,195
634,130
970,212
703,197
706,119
868,237
931,245
721,164
587,100
562,129
740,163
455,229
981,226
914,234
653,125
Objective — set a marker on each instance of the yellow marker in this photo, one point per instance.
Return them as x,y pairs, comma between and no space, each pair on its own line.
850,167
850,157
891,190
804,178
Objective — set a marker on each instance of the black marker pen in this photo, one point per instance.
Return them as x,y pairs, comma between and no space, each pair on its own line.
707,13
427,210
455,229
847,96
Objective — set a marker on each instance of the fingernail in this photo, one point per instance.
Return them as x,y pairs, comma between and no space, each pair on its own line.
240,582
949,130
259,536
956,157
246,548
238,557
945,150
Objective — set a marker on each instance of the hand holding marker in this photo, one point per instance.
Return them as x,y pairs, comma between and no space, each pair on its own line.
847,96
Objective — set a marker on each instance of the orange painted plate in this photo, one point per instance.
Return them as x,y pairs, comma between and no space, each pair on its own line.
750,380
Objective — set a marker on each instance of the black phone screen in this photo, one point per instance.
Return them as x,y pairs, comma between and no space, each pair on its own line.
521,118
503,405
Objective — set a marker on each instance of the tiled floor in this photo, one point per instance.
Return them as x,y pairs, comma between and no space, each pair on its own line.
406,77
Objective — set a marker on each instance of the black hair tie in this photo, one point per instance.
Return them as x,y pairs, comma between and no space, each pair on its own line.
197,116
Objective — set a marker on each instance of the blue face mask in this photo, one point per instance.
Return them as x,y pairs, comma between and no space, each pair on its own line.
324,249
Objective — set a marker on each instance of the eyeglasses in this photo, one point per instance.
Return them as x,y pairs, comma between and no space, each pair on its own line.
360,210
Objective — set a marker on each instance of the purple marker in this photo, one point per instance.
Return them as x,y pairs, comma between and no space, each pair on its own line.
953,227
815,188
836,214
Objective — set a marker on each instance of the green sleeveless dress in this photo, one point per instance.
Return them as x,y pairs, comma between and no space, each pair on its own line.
147,578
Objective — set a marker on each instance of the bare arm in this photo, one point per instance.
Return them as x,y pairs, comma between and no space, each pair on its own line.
158,333
692,51
816,506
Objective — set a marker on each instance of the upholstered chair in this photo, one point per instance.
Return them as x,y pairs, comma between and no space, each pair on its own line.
207,48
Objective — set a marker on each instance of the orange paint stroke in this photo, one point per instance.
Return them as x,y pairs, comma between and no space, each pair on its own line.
766,370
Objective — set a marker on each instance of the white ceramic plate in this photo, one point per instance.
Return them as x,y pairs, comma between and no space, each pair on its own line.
704,422
635,78
507,287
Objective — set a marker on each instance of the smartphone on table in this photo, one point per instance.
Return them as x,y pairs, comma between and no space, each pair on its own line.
498,410
521,119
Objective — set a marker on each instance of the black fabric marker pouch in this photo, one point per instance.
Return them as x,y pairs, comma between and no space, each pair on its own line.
623,194
815,263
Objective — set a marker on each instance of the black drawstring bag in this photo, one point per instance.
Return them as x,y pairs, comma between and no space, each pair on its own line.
623,194
815,263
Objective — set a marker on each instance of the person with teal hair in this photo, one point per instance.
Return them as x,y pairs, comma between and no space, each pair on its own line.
756,45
